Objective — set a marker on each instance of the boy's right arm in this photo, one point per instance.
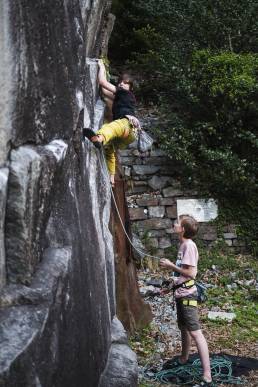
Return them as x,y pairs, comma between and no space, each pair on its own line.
185,270
166,263
103,80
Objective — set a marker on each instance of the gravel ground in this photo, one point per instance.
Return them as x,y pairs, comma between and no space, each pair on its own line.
167,334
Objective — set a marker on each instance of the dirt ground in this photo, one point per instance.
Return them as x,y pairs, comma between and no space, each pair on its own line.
161,341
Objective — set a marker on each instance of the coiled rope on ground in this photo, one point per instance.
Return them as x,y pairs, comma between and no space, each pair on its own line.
191,373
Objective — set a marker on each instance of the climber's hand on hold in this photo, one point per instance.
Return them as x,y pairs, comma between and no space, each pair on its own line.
103,82
112,180
101,64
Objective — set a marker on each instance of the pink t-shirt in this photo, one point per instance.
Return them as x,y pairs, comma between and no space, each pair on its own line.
187,255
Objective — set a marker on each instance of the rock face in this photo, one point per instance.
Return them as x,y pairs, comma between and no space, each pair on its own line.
116,373
7,103
3,195
57,299
32,170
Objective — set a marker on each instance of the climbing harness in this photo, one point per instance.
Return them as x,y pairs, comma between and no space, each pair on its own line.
189,302
185,285
191,373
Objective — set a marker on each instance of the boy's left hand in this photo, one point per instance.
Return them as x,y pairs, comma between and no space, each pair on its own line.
166,263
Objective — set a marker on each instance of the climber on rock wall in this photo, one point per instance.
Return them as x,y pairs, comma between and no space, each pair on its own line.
122,131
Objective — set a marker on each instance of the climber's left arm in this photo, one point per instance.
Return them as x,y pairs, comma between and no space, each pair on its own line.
103,79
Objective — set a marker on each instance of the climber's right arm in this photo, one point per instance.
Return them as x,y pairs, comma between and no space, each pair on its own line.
107,86
108,93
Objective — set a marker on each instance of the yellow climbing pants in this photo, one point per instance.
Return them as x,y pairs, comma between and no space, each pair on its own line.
113,139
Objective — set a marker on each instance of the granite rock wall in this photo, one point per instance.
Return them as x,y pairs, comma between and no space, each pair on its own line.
57,298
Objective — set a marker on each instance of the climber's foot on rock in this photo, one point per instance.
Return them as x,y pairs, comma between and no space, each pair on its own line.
91,135
98,138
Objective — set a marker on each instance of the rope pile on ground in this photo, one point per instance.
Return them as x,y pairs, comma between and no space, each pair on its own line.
191,373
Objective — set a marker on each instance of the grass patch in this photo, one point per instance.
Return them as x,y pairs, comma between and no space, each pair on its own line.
143,343
229,274
148,384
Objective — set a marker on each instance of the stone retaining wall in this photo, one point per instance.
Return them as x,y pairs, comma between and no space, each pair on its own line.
152,194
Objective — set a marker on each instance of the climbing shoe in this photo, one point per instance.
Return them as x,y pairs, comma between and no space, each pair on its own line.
203,383
89,133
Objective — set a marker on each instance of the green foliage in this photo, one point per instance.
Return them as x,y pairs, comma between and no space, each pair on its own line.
227,74
171,252
245,215
184,26
143,342
199,64
215,129
242,301
219,255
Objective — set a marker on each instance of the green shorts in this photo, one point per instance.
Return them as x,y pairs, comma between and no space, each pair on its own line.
187,316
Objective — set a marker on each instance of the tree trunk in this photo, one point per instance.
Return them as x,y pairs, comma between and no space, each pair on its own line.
131,309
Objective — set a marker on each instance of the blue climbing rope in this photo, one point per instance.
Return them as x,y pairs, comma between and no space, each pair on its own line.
191,373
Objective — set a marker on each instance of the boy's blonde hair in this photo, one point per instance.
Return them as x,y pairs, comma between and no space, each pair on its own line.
190,226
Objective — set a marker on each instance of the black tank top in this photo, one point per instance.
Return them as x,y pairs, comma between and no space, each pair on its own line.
124,104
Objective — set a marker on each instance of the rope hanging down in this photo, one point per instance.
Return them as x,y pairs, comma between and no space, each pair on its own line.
221,368
119,216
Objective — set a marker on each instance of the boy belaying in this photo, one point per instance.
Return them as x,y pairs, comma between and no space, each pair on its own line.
186,227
